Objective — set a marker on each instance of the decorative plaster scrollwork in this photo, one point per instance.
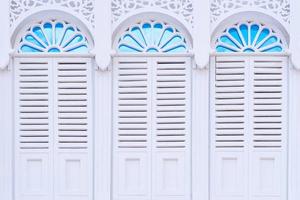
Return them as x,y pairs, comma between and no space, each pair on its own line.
183,8
281,8
85,8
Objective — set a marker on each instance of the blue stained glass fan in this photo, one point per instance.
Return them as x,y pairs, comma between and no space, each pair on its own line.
53,37
152,37
249,37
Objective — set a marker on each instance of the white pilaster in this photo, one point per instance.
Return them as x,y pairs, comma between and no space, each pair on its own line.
102,33
295,32
201,32
5,34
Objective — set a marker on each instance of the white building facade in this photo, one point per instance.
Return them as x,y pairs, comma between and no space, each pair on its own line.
149,100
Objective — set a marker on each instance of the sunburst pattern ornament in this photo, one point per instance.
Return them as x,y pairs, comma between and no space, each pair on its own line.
53,37
152,37
249,37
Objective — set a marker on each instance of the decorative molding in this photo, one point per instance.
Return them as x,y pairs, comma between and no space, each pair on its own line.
280,8
5,48
295,34
85,8
102,35
183,8
201,35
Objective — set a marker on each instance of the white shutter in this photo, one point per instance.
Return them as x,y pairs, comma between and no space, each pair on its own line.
229,126
53,128
249,127
151,128
268,157
132,128
33,117
171,173
73,128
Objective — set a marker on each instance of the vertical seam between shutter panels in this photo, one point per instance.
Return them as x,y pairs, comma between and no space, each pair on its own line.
249,120
52,98
188,138
151,70
285,121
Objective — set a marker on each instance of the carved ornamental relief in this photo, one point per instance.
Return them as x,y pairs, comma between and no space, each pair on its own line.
84,8
184,8
281,8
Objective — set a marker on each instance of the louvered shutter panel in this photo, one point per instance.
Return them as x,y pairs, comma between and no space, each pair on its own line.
73,129
249,127
229,128
53,128
33,117
151,128
268,156
171,173
132,128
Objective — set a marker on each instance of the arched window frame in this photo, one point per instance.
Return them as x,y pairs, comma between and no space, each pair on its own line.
52,16
145,17
265,20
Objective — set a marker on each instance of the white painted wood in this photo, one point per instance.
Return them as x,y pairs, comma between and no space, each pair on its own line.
102,29
132,128
249,128
294,138
171,128
73,132
33,129
295,33
6,133
248,155
228,167
53,128
5,46
200,133
103,135
201,36
268,157
103,131
151,145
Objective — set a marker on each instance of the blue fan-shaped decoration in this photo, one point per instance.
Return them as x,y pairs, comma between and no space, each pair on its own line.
152,36
53,37
249,37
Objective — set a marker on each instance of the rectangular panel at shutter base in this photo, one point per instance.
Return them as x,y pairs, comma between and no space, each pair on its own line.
33,141
171,174
132,129
73,138
269,135
228,104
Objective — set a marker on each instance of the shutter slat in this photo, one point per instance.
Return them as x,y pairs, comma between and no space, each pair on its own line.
229,103
72,104
268,104
132,104
33,111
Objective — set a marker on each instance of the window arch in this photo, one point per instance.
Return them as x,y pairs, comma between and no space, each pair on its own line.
53,36
152,36
249,36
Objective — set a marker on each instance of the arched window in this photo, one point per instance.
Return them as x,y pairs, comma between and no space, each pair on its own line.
249,36
53,109
53,36
152,100
249,108
152,36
